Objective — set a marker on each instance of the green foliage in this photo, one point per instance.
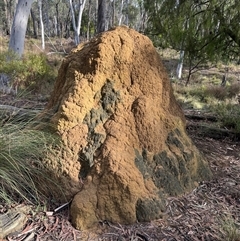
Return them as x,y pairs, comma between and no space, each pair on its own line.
221,101
205,30
32,71
22,173
229,115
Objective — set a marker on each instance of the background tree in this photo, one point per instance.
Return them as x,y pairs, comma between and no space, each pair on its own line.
6,18
204,30
41,23
80,7
101,20
65,18
19,26
34,24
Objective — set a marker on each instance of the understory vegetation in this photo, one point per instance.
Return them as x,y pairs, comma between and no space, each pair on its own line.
35,72
222,102
23,176
207,94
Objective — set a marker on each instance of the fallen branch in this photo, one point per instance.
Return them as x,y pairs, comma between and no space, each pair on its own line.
201,117
212,132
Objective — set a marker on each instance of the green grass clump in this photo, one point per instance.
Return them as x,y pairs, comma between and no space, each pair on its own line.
192,96
22,172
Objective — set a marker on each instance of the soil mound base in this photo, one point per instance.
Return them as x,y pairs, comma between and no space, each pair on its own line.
123,132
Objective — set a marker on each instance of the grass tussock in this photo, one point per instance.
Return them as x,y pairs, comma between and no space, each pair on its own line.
22,172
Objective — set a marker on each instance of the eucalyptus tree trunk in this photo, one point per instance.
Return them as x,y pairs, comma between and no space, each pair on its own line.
41,23
77,27
57,20
127,13
180,65
89,19
121,13
101,20
67,24
55,24
7,11
142,20
34,24
113,13
19,26
46,17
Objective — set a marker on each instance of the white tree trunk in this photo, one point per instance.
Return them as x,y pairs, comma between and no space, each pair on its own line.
77,27
19,26
41,23
55,25
180,65
121,14
127,13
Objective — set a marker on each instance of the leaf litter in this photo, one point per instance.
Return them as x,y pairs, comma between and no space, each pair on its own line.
201,215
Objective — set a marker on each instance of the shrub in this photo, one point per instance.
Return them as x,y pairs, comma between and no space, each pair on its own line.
217,92
229,115
233,89
32,71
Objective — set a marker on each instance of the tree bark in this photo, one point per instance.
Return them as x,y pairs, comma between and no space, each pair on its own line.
8,17
77,27
127,3
34,24
46,18
19,26
101,20
41,23
180,65
121,14
113,13
89,19
57,20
